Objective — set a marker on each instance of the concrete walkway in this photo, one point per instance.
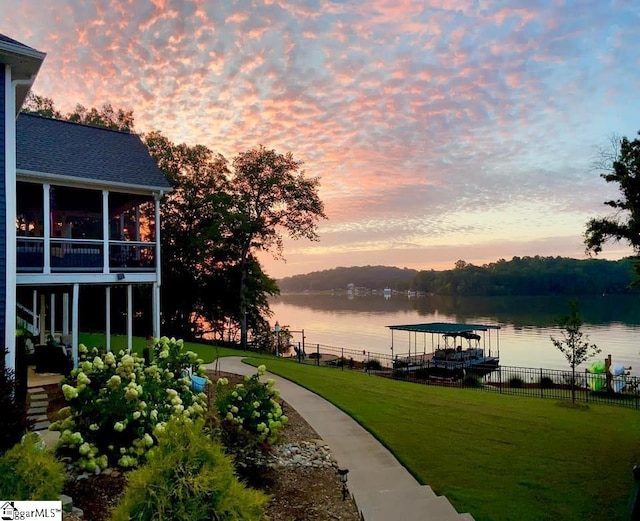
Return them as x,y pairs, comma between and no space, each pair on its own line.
382,488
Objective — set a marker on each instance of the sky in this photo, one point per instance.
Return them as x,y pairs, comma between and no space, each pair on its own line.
439,129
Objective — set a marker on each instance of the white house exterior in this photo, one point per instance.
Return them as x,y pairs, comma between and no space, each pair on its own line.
82,208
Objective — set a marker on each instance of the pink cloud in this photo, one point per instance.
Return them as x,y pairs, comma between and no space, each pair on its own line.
402,108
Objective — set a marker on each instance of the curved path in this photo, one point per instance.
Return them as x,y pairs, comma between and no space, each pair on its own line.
382,488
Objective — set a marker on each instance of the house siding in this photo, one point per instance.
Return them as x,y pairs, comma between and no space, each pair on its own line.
3,208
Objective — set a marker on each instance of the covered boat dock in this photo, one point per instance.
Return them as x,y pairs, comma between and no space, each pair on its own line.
453,346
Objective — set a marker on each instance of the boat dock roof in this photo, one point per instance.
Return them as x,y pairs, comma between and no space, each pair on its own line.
443,327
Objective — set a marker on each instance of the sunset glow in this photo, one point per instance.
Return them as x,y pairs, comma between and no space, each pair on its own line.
440,130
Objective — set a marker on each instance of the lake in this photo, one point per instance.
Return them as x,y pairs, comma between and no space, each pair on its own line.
611,322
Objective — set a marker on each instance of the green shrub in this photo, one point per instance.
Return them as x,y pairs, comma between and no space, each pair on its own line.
372,365
249,412
118,406
472,380
399,373
516,383
13,420
188,476
30,472
337,362
546,382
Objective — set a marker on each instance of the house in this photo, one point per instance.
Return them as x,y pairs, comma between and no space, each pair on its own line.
81,207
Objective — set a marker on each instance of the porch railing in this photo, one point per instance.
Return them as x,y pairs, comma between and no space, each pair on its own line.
76,255
83,255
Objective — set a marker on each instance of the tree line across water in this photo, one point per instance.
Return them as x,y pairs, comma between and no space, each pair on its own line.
520,276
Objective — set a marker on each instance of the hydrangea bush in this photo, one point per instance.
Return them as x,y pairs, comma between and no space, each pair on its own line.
250,410
118,406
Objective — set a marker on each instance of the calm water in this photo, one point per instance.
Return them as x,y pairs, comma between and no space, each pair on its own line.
611,322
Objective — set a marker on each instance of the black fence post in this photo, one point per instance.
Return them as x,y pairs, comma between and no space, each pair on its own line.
299,353
318,355
586,393
342,360
500,379
541,385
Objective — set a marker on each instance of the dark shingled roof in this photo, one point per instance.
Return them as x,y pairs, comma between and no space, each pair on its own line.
51,146
4,38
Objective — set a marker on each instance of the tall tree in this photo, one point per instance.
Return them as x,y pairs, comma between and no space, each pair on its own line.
624,224
106,116
272,197
200,251
193,230
41,105
574,344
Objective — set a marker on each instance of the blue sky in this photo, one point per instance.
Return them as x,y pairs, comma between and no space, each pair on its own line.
440,130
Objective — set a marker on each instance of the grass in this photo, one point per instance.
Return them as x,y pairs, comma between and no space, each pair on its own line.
498,457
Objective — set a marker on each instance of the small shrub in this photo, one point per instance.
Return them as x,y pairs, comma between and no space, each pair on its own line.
372,365
249,413
188,476
13,420
472,380
546,382
516,383
30,472
337,362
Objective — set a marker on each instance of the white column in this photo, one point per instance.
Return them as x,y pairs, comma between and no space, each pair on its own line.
43,318
46,215
129,316
108,317
158,275
52,311
10,220
105,231
34,310
74,324
65,314
155,305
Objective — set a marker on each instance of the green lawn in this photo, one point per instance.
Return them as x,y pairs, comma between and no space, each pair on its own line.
498,457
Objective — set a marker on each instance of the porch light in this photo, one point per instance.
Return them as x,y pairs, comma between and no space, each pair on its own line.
344,476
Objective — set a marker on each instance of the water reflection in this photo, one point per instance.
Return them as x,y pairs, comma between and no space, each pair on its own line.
521,312
612,322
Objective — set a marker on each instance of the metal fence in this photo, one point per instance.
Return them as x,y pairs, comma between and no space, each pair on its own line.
622,390
343,358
